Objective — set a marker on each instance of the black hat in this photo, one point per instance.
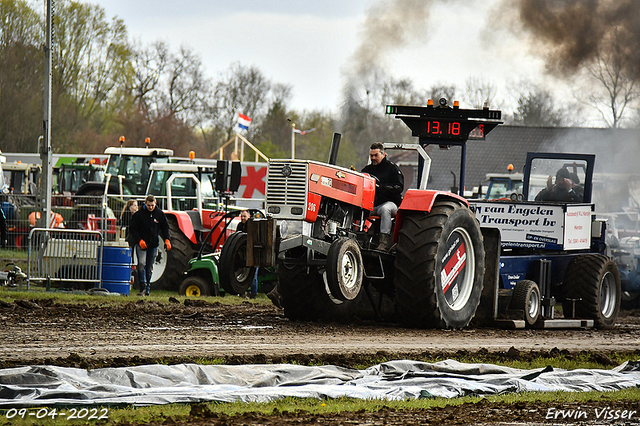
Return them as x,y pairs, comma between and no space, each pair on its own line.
563,174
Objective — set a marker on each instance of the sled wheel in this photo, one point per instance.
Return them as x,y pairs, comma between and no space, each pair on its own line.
344,269
439,267
194,286
526,297
235,275
630,300
593,281
169,266
305,295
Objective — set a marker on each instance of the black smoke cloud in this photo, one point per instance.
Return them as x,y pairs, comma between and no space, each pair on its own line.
571,33
567,33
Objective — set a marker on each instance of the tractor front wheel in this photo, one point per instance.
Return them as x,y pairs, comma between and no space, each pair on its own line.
344,269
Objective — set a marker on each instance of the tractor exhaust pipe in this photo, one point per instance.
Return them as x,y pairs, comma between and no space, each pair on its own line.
335,145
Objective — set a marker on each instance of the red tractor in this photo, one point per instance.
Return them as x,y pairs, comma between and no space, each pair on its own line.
504,262
320,236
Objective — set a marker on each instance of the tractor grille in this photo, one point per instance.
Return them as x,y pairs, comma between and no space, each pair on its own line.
287,189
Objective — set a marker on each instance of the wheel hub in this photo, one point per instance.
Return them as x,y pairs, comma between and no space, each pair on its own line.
349,273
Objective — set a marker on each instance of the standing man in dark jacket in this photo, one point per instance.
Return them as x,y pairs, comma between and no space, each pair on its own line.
389,187
146,224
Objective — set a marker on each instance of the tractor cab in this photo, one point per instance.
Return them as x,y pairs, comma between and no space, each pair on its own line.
22,178
131,167
554,177
504,185
184,184
71,176
127,170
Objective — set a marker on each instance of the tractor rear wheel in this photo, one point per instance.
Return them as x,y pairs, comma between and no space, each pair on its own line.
526,297
305,296
592,282
439,267
169,265
235,276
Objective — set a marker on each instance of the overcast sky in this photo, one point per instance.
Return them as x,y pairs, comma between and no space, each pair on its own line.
309,44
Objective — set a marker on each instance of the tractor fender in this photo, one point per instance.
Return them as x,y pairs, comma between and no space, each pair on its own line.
422,200
205,267
185,225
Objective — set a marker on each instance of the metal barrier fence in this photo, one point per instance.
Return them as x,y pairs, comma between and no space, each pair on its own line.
86,212
68,212
68,257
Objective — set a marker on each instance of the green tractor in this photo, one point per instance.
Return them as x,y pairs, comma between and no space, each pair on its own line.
225,272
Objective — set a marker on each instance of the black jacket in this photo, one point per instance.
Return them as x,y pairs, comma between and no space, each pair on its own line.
146,225
391,182
242,227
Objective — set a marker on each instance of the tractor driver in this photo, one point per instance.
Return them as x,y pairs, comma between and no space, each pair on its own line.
567,188
389,187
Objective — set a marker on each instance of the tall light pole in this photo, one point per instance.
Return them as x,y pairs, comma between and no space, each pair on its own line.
44,195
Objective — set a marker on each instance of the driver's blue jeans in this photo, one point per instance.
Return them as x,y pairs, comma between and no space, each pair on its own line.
386,211
146,258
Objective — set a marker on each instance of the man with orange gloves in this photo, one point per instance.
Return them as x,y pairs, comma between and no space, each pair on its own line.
146,225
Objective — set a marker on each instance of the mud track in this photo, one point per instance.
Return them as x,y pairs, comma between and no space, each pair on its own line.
143,331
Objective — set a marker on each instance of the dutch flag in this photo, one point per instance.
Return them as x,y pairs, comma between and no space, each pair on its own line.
303,132
243,121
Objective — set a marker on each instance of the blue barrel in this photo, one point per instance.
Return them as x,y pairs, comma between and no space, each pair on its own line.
116,269
8,209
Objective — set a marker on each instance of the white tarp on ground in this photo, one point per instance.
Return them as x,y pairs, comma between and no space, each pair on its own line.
186,383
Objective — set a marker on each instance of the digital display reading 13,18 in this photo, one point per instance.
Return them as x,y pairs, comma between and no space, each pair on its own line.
452,129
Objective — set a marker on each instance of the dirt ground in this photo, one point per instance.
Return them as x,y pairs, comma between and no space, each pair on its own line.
143,332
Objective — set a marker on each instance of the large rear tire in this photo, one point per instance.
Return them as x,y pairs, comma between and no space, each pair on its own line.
169,266
235,276
439,267
305,296
593,282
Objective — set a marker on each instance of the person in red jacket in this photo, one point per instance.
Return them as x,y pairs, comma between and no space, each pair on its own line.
146,225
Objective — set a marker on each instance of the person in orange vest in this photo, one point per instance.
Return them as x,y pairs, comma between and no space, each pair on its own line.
57,221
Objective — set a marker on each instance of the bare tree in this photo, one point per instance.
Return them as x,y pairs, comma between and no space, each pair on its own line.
442,90
617,77
21,63
479,92
185,88
149,64
91,57
241,89
536,107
